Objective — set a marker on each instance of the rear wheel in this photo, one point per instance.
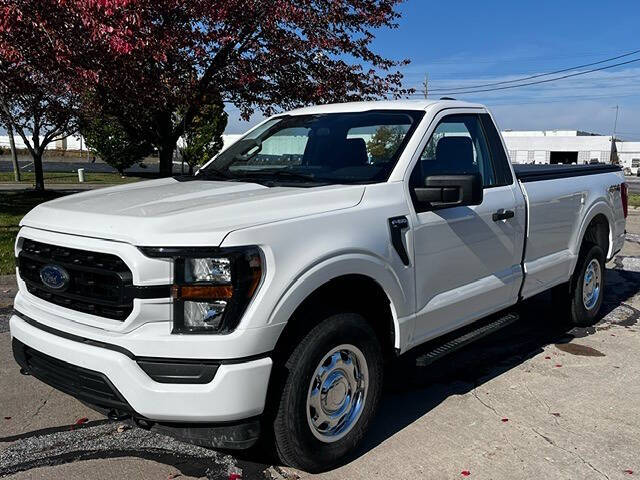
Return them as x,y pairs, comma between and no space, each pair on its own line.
581,298
330,393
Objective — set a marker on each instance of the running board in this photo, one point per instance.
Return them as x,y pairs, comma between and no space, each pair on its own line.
457,339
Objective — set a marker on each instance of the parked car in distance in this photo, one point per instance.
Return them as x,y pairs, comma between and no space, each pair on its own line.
264,295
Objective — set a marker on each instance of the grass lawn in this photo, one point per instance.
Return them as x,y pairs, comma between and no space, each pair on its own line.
13,206
634,200
70,178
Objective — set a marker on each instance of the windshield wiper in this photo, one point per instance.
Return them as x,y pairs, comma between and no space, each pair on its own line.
214,173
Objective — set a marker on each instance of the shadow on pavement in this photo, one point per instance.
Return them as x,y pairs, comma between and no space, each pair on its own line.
415,391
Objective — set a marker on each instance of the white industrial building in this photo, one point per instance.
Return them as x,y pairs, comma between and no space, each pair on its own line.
552,146
570,146
73,142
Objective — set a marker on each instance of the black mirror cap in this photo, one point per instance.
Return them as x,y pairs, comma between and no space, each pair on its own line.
444,191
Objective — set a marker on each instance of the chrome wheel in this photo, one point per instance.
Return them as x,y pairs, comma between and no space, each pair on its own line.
591,284
337,393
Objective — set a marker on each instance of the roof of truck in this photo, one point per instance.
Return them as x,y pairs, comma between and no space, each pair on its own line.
382,105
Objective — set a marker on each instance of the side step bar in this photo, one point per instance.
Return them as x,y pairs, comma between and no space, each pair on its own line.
457,339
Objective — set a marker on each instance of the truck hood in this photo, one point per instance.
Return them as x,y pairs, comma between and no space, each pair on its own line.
170,212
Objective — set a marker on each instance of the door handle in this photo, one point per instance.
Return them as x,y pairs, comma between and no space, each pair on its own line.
503,214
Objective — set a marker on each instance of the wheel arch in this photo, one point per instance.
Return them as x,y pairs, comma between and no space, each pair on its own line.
596,227
356,282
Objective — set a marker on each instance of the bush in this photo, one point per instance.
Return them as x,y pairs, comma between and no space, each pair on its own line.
106,138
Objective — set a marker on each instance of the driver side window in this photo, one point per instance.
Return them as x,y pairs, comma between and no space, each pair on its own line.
457,146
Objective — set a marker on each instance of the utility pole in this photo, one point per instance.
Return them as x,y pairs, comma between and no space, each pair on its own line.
426,85
12,143
613,135
14,156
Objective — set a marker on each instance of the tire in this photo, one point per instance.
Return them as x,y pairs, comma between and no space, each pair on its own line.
581,309
304,441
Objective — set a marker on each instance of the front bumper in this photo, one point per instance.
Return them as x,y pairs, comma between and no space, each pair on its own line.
237,391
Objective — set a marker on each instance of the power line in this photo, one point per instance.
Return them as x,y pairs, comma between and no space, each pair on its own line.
562,100
536,76
487,60
537,81
417,84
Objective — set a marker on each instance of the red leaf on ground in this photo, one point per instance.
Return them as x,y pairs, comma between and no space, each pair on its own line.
504,420
558,365
465,473
79,422
547,358
630,472
235,476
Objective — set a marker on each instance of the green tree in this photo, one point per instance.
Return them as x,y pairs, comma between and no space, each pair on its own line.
204,138
384,143
105,137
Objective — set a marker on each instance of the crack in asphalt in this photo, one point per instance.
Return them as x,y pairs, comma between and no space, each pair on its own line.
475,394
575,454
40,407
514,449
556,420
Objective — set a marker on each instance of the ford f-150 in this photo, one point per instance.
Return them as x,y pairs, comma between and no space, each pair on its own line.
264,295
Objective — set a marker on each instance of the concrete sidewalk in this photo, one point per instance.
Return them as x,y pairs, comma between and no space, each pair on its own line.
532,401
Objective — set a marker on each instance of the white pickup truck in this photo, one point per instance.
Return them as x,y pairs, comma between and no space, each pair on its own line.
266,293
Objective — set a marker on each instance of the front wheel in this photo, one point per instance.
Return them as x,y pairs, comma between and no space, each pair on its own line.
330,393
582,296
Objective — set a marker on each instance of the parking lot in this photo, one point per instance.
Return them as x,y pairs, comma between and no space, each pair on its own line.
536,400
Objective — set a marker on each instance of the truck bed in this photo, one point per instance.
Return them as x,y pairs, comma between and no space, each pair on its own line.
534,173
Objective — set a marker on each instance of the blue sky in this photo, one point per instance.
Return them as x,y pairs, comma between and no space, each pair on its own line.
470,43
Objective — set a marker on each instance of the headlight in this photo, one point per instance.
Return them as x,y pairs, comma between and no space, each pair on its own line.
208,270
203,315
212,287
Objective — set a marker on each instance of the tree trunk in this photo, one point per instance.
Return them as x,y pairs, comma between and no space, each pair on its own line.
14,156
37,169
166,159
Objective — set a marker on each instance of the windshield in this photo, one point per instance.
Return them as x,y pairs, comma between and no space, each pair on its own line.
360,147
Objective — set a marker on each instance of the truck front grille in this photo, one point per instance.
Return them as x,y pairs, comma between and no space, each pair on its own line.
99,283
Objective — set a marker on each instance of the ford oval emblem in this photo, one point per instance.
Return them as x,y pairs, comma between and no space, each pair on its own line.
54,276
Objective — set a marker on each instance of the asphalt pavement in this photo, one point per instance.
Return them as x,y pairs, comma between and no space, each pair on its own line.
72,164
535,400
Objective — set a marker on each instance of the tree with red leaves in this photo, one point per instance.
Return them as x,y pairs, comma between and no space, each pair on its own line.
155,64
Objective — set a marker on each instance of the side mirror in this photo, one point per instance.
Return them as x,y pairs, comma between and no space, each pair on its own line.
442,191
